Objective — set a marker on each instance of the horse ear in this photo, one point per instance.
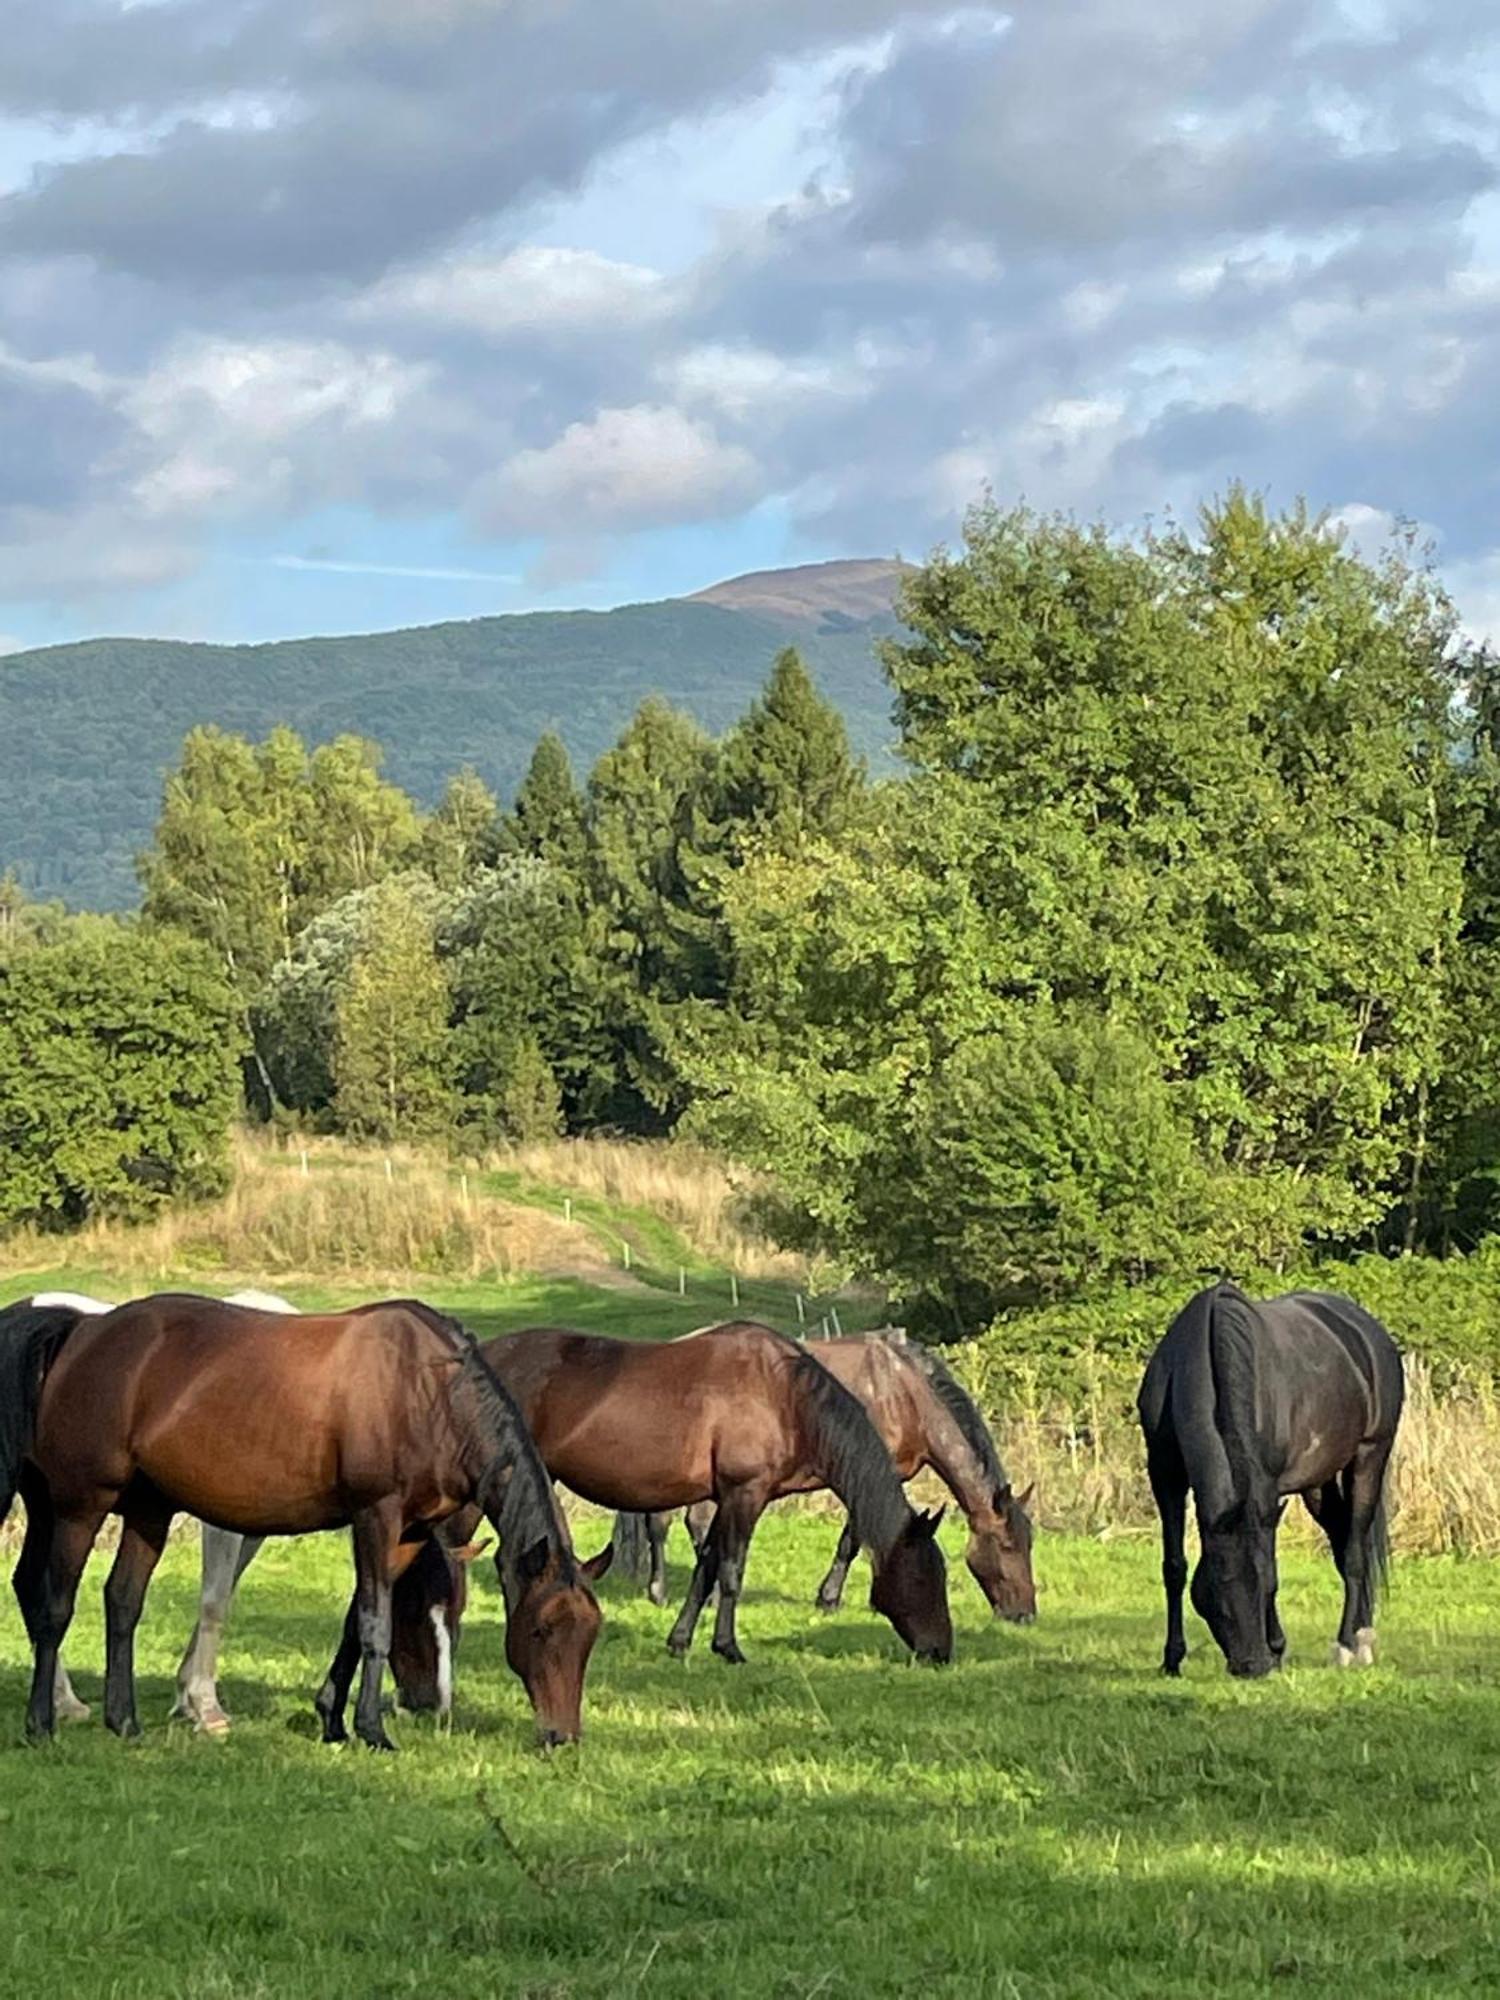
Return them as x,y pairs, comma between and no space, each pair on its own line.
596,1566
471,1551
1003,1495
932,1522
1025,1499
533,1561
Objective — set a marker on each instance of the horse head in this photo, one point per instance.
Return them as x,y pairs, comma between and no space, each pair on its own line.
910,1588
1230,1589
427,1608
551,1622
999,1557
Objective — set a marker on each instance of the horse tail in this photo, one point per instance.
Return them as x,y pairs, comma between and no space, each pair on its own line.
632,1542
1380,1548
31,1337
1193,1402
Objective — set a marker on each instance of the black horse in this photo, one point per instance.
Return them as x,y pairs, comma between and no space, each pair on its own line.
1247,1402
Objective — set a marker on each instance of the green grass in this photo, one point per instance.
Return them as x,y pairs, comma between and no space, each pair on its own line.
628,1312
1048,1817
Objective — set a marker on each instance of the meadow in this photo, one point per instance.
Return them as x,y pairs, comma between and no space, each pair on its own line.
1046,1818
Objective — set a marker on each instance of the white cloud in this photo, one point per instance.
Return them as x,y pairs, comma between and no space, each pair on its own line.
624,468
538,288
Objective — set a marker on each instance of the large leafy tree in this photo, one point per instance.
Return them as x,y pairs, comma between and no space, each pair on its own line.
118,1074
392,1065
1175,832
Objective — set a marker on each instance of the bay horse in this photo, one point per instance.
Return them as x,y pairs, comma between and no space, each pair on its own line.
926,1419
1247,1402
427,1600
622,1423
384,1419
740,1419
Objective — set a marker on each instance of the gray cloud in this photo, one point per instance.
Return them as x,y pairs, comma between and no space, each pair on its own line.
1101,253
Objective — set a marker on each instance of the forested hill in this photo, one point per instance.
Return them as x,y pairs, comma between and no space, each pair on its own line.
87,730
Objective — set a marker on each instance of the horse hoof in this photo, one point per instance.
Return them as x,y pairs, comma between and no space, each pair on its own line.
381,1742
829,1604
212,1722
1364,1646
1340,1656
73,1710
730,1655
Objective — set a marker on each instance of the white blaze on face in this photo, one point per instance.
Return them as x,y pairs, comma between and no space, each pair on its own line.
444,1659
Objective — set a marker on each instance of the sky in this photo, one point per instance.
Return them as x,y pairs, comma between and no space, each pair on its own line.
336,315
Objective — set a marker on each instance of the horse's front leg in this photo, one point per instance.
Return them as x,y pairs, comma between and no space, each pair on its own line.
831,1590
379,1558
1169,1486
734,1524
226,1557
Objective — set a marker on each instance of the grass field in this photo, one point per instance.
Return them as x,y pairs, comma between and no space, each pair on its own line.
1045,1818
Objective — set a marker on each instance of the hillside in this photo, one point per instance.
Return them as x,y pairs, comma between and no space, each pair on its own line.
87,730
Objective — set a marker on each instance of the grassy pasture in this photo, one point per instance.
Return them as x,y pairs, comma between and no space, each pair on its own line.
1046,1818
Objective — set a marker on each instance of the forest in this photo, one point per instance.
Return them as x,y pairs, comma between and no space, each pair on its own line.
1172,948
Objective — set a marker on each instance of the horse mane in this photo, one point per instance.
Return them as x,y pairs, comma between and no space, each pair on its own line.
855,1463
511,1482
1231,1354
962,1408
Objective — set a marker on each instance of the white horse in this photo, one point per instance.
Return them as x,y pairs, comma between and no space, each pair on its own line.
226,1557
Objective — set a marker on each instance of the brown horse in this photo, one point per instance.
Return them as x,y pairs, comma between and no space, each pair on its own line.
926,1420
740,1420
385,1420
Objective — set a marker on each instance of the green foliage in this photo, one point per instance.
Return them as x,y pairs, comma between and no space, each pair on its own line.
392,1056
463,835
118,1074
547,823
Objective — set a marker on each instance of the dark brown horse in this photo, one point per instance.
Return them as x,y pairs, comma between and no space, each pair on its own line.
386,1420
740,1419
927,1421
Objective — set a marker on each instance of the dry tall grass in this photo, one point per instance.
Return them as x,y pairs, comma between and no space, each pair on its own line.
347,1219
1445,1483
686,1187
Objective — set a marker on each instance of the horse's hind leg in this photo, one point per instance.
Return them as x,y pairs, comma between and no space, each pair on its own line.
28,1581
831,1590
733,1526
143,1536
1169,1486
226,1557
657,1526
67,1550
378,1555
1362,1482
334,1693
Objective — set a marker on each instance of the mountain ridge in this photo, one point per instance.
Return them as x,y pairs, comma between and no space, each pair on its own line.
89,728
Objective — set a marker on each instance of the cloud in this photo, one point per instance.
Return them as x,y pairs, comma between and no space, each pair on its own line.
625,468
334,566
1103,254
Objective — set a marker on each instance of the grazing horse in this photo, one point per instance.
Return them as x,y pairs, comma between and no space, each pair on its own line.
926,1420
427,1600
740,1419
623,1423
385,1419
1248,1402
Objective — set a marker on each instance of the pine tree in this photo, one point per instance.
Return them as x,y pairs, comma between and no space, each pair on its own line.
548,817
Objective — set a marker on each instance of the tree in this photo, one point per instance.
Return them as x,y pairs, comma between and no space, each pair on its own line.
547,823
784,775
392,1060
118,1074
640,795
254,840
463,835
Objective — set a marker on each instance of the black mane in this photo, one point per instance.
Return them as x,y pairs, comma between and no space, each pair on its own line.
511,1482
856,1463
964,1412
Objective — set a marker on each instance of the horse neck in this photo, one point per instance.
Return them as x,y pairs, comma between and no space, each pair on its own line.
500,1457
850,1455
969,1476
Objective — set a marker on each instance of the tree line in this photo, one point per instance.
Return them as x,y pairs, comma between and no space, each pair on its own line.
1175,946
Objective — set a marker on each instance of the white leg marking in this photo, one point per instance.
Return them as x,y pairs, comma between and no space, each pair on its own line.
1364,1646
444,1661
1340,1656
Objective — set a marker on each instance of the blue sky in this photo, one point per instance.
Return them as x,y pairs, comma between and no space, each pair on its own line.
329,315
